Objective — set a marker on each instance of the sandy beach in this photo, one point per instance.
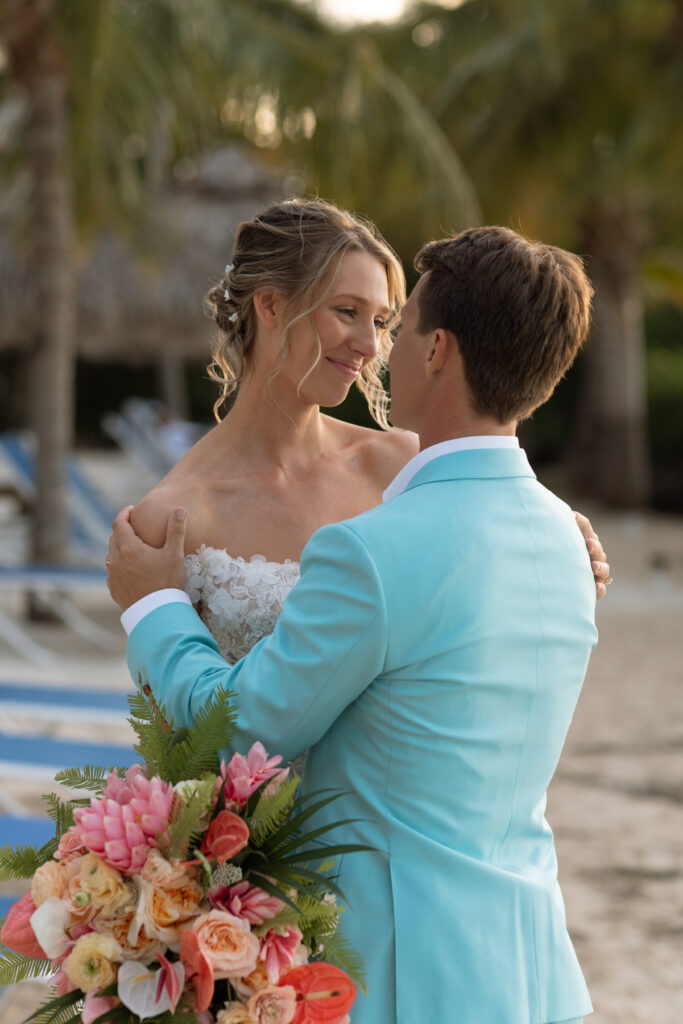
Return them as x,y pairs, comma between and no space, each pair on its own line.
616,803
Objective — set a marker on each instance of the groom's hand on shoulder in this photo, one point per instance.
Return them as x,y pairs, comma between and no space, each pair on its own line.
136,569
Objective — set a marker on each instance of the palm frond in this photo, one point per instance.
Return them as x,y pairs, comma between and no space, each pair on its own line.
14,967
59,1010
291,828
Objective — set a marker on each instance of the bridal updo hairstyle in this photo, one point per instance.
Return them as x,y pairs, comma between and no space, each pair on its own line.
520,311
295,247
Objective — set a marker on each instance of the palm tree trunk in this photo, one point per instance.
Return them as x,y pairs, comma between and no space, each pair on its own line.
610,455
38,64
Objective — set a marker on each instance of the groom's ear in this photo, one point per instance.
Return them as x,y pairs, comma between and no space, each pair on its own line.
438,349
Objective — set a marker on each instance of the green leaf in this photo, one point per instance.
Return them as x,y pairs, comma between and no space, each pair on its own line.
14,967
58,1010
297,876
24,861
304,856
299,817
184,830
338,950
91,777
196,753
61,811
272,811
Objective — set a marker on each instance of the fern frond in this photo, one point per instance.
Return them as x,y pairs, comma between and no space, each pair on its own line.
337,950
185,829
91,777
59,1010
272,811
155,736
15,968
24,861
62,811
195,752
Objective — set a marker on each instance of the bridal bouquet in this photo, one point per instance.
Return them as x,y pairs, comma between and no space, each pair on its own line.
182,890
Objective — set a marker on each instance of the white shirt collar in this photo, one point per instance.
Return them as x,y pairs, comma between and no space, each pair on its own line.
457,444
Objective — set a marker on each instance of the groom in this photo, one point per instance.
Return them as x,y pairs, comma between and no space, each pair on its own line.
431,656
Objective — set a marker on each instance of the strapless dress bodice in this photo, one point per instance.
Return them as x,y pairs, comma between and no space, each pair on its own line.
238,599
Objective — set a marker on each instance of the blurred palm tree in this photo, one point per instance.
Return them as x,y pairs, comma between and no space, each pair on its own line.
566,117
116,90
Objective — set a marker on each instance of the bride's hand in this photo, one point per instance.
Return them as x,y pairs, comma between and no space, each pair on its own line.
135,569
599,563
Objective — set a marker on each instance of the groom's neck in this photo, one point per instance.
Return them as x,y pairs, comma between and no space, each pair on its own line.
448,423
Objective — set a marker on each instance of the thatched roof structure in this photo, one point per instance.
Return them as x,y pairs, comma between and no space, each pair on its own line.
130,309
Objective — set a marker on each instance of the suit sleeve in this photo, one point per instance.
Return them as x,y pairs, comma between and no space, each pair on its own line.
329,644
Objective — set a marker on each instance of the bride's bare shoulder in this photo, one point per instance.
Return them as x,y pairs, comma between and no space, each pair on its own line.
150,515
384,452
391,449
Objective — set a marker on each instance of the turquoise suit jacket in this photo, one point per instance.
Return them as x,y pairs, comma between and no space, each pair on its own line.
430,659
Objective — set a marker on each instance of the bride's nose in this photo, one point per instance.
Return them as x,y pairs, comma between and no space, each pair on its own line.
366,340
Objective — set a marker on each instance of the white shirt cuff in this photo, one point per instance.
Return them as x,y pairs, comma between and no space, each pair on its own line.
137,612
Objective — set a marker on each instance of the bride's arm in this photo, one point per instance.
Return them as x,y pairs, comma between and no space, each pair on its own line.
149,517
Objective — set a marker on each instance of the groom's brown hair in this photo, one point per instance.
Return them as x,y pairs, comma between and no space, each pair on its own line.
520,311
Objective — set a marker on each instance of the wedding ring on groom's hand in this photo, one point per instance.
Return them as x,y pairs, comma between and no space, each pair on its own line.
106,564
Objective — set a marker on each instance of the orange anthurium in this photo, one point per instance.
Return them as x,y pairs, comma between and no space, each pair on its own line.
324,993
197,966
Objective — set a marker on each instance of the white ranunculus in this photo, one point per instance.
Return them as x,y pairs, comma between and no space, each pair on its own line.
49,923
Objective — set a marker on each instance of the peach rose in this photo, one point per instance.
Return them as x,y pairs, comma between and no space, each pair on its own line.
164,873
250,983
229,943
234,1013
69,844
164,911
49,880
107,889
91,964
273,1005
143,949
226,836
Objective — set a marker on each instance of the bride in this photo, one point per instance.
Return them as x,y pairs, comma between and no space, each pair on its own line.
305,310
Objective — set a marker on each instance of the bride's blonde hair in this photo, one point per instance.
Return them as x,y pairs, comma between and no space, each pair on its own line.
295,247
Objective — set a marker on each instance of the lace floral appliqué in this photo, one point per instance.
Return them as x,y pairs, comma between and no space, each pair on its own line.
238,600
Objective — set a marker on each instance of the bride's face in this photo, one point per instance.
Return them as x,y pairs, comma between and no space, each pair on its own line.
349,324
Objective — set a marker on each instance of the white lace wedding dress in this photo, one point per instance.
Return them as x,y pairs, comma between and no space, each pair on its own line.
238,600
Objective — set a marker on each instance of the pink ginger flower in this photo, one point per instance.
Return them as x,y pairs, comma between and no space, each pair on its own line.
246,901
122,830
122,789
243,775
277,951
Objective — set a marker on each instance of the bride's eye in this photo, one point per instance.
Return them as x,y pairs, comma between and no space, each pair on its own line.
346,311
381,324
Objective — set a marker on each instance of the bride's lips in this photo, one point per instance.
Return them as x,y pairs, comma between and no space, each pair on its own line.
348,369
